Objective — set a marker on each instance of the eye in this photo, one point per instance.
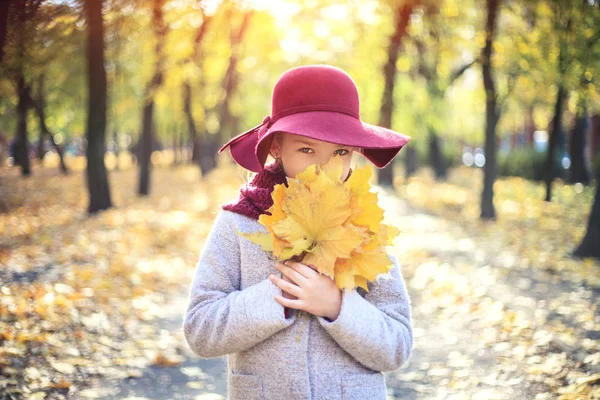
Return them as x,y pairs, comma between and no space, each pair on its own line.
305,148
341,154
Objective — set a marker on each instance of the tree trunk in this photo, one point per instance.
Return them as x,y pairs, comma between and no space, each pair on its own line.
4,9
147,137
21,149
492,114
578,172
556,134
118,75
21,155
590,245
436,156
411,162
229,84
594,135
191,124
46,132
207,160
529,127
403,12
184,148
550,164
196,150
175,147
40,146
196,58
97,180
40,107
145,148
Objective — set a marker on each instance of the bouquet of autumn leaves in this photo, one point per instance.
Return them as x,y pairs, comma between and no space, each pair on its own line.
332,224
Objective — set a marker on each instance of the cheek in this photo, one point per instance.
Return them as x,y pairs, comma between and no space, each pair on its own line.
293,163
299,167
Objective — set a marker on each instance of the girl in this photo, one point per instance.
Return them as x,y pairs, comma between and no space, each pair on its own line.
241,306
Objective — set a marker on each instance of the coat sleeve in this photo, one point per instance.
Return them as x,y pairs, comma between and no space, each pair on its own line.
377,329
221,319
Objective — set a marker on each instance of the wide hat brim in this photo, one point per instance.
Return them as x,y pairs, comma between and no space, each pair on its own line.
380,145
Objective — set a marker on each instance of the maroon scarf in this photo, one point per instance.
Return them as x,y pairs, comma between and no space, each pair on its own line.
255,197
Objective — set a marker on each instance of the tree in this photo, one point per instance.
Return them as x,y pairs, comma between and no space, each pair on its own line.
578,172
563,24
434,45
23,12
229,85
97,180
4,10
37,40
160,32
194,60
492,112
590,245
586,47
574,24
39,104
402,13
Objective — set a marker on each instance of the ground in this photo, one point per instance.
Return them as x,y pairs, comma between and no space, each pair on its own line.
92,307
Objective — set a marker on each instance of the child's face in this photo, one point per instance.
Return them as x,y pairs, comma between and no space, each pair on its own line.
298,152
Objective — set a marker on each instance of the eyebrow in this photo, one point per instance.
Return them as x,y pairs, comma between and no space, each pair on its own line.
313,143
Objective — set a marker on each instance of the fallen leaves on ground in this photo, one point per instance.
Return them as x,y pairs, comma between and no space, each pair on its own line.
539,335
542,234
79,296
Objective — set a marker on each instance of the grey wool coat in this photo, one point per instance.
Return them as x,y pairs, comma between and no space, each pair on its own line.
232,311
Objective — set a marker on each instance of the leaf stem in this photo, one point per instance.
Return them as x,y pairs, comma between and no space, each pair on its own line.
305,316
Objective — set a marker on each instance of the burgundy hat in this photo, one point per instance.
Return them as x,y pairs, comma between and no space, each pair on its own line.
320,102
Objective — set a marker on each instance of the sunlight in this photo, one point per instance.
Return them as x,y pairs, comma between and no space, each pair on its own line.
279,8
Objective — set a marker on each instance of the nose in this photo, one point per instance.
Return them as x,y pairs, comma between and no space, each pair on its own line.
324,159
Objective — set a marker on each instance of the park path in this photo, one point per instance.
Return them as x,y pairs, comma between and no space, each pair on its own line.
485,326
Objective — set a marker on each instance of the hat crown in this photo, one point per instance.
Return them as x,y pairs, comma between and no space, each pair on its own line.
314,88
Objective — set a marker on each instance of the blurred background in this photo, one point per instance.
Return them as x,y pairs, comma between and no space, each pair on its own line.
111,115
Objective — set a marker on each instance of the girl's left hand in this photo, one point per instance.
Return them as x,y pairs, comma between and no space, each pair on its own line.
316,293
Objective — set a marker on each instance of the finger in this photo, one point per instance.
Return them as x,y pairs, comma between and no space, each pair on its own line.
280,267
297,304
287,286
291,273
303,269
285,278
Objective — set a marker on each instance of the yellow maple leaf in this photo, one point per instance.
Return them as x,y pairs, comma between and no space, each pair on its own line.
332,224
358,182
269,241
368,213
344,274
387,234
